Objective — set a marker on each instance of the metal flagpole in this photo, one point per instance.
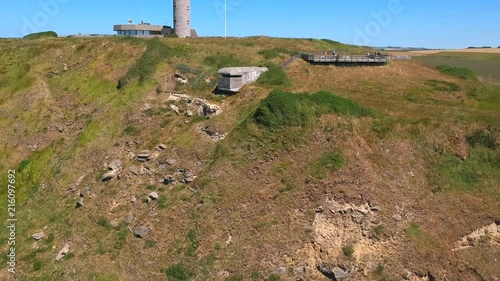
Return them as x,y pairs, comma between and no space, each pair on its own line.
225,19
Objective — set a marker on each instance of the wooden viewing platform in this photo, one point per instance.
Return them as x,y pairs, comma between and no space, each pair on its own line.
352,59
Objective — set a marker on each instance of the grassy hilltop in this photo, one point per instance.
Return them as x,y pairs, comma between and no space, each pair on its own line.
383,172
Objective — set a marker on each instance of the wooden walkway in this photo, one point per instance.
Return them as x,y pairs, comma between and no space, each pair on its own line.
352,60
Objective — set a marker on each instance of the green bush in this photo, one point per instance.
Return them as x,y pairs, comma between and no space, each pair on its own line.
275,76
282,109
37,265
39,35
462,73
482,138
23,165
178,272
348,250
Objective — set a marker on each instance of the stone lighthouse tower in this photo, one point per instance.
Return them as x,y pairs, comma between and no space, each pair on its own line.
182,18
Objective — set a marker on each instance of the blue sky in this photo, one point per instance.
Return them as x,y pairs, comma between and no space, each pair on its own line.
416,23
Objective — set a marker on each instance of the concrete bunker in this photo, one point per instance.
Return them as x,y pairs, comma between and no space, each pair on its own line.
232,79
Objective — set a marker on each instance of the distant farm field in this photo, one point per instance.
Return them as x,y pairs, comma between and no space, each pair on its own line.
485,66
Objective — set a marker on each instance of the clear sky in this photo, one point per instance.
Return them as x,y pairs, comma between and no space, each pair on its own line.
410,23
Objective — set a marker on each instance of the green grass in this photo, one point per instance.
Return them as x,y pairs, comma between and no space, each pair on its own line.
443,86
413,231
193,242
459,72
39,35
383,126
378,230
282,109
487,96
330,161
275,77
220,61
149,243
274,277
131,130
178,272
482,138
269,54
145,67
481,167
17,78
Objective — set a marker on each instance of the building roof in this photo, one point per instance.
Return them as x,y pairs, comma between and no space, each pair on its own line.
145,27
236,71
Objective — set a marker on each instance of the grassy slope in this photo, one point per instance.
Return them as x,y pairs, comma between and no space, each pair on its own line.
258,187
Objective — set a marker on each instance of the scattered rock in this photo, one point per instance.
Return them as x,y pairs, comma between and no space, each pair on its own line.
207,109
175,108
406,274
375,208
115,223
38,236
397,217
341,274
181,79
84,192
171,161
223,273
212,133
115,165
188,113
299,270
79,203
168,180
109,175
60,129
144,156
64,251
153,195
141,231
188,175
281,270
129,219
162,146
133,199
320,209
134,170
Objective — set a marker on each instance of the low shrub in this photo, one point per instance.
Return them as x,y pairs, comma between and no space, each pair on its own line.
178,272
281,109
275,76
39,35
462,73
482,138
